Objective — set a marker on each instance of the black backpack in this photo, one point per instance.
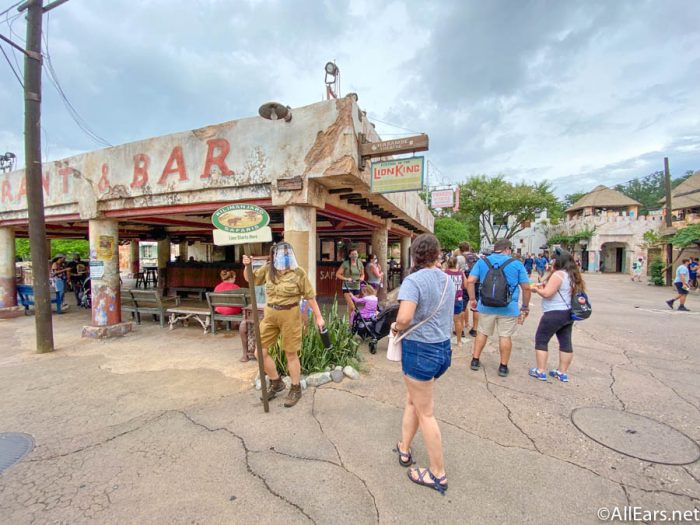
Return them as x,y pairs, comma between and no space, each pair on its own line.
495,290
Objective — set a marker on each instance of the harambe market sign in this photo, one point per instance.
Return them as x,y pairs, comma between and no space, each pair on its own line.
391,176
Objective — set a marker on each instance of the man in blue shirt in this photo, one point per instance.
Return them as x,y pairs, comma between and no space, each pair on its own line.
528,263
499,321
681,282
540,266
693,271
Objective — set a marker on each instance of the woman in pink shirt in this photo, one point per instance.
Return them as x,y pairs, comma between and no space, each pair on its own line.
228,282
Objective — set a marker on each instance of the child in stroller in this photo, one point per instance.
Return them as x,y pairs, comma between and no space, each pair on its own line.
370,325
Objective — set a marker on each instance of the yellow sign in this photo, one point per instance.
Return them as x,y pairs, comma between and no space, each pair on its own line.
222,238
105,247
390,176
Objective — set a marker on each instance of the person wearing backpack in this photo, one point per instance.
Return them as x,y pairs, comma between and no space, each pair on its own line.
502,279
557,291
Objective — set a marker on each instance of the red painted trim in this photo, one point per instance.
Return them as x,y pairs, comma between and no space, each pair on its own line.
181,208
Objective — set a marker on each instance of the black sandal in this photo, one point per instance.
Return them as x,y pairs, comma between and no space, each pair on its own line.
408,455
434,482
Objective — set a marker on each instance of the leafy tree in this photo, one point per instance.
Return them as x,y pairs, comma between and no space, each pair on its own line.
649,190
688,236
450,232
501,209
571,198
656,270
65,246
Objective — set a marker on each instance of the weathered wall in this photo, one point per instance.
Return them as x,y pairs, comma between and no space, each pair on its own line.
237,159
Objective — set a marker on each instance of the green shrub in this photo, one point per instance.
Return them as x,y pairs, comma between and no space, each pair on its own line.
656,268
314,358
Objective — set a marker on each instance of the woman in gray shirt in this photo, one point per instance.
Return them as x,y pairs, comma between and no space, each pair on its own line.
427,293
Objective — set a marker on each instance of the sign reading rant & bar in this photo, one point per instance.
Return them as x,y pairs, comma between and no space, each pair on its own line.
397,175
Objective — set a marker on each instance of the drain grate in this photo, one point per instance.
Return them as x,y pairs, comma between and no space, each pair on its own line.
13,447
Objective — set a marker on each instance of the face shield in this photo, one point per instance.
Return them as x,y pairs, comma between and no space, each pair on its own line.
283,257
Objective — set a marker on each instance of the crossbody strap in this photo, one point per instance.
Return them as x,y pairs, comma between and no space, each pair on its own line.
560,295
442,298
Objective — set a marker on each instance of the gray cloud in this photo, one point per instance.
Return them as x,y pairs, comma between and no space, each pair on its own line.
576,92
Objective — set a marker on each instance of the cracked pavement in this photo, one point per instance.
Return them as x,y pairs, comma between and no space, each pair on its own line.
164,427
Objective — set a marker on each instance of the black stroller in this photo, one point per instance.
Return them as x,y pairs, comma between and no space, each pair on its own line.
85,294
372,330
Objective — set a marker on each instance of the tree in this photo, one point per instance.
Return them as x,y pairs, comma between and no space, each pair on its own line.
65,246
450,232
649,190
571,198
501,209
688,236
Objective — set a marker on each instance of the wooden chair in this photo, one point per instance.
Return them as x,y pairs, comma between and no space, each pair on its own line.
151,302
239,298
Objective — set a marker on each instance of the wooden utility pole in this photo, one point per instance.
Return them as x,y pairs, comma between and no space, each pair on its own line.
32,173
669,222
256,328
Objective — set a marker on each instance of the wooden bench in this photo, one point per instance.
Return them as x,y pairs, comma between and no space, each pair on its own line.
151,302
129,305
25,297
189,289
239,298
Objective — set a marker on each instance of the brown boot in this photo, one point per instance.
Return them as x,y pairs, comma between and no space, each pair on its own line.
276,386
293,396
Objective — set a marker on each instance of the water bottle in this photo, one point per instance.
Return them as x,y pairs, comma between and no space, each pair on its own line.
325,338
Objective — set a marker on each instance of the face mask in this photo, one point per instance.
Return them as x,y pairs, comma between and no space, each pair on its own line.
353,257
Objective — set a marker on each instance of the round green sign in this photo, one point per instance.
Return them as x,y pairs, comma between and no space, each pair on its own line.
240,218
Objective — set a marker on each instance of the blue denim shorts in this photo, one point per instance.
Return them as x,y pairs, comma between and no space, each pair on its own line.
459,306
425,361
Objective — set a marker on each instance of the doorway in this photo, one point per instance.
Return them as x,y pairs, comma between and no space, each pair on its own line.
619,258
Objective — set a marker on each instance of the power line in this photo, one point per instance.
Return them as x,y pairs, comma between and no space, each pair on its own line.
10,8
394,125
12,67
72,111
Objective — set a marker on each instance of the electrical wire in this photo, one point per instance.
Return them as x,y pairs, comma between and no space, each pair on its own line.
72,111
11,7
12,67
394,125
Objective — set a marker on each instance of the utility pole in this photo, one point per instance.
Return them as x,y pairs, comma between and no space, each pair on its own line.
669,222
32,173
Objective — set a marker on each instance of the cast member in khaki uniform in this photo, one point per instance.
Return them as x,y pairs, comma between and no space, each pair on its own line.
285,285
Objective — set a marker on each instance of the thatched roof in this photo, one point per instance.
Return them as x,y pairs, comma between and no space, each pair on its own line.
687,193
603,197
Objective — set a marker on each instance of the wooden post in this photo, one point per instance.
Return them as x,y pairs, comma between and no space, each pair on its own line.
668,222
256,327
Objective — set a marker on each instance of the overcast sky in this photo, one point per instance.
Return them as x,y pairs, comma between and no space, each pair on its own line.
576,92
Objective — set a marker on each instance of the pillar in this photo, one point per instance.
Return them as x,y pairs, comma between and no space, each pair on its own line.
405,255
134,258
163,259
300,232
380,247
104,277
8,282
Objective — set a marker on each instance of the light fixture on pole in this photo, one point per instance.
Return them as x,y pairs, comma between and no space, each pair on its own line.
332,80
275,111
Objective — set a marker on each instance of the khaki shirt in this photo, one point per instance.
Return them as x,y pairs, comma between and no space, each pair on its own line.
289,289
